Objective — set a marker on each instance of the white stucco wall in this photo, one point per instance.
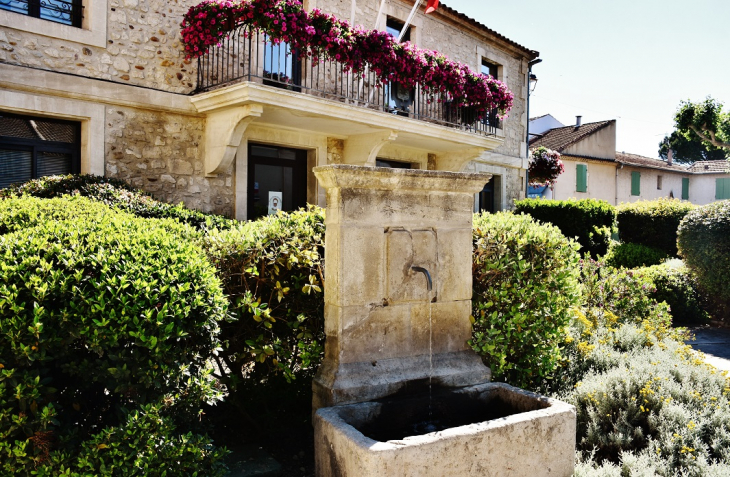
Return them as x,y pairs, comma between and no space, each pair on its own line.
600,181
671,183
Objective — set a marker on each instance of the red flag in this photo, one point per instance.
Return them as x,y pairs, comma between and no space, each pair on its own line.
432,5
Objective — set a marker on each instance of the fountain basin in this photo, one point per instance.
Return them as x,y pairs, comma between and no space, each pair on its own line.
490,429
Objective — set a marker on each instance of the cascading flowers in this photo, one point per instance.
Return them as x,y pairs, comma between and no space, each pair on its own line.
320,35
545,166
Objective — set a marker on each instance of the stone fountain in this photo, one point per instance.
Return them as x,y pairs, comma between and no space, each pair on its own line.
400,392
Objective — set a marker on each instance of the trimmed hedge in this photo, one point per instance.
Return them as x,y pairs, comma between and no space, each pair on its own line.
106,325
705,248
116,193
525,279
589,221
273,273
633,255
652,223
676,286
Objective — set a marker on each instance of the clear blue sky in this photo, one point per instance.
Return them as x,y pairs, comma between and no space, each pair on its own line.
629,60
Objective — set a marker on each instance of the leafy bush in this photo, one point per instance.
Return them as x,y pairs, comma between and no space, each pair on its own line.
118,194
525,283
272,271
704,246
646,404
106,322
679,289
652,223
633,255
589,221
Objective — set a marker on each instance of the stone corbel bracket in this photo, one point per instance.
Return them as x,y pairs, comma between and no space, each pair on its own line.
363,149
224,130
457,161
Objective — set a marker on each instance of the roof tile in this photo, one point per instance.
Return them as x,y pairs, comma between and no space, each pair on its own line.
560,138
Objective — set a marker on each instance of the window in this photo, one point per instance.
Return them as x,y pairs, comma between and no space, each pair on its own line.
658,182
685,188
394,26
722,189
36,147
636,183
282,67
581,178
67,12
392,164
277,179
490,69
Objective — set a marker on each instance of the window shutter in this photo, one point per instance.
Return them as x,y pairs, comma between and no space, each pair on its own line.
722,189
636,183
581,180
685,188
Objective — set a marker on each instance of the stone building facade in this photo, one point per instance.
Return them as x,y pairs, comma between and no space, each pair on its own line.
121,77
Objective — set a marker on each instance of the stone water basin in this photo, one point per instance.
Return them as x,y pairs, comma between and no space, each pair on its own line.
490,429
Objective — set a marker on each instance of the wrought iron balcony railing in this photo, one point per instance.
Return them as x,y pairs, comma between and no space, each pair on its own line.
248,55
68,12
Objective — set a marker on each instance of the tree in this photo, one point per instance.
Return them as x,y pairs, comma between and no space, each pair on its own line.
702,132
688,148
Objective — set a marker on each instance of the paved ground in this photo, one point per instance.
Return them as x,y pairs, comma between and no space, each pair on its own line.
715,343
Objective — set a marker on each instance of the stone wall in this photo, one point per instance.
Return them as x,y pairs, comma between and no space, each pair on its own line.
143,47
161,153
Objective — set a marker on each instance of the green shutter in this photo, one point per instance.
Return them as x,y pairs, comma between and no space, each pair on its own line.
722,189
685,188
581,178
636,183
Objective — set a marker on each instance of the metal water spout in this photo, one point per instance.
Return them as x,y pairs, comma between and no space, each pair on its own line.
428,276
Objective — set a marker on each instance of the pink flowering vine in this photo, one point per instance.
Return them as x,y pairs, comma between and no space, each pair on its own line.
545,166
318,34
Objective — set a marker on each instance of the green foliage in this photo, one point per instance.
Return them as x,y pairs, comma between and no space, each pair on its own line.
704,120
106,320
652,223
704,246
525,283
116,193
633,255
272,270
679,289
646,404
589,221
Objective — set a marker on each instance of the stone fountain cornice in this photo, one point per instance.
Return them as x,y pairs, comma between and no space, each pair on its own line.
356,177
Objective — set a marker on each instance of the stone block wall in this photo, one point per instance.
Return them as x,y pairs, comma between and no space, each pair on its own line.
143,47
162,154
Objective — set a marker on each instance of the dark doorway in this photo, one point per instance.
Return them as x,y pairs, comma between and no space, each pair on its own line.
275,174
486,197
392,164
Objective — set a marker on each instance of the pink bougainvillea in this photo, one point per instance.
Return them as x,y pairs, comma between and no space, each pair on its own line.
545,166
320,35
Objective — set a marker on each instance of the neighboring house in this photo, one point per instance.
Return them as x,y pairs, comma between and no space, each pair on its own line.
594,169
104,88
543,124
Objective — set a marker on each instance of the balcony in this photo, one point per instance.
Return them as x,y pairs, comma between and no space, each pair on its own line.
248,55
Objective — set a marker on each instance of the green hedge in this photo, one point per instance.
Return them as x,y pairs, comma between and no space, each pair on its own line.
118,194
106,325
676,286
589,221
525,278
633,255
652,223
273,272
705,248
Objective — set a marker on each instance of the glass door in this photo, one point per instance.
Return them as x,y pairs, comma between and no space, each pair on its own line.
277,180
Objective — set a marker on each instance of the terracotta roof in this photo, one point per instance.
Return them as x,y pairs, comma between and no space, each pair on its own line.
442,7
643,161
560,138
709,167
